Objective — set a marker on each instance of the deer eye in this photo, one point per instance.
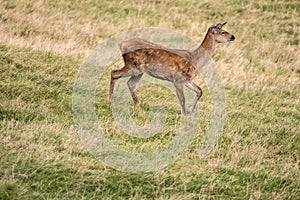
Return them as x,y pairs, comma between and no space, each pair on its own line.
223,32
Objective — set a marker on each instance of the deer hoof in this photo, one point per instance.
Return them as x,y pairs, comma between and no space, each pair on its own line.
137,106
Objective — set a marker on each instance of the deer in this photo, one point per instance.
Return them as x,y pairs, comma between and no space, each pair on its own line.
178,66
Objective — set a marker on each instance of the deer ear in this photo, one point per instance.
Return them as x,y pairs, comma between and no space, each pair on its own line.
219,26
224,24
214,30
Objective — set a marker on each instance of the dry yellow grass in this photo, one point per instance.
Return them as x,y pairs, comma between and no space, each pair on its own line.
43,43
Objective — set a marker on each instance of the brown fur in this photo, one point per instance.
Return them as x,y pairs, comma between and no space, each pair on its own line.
175,65
143,58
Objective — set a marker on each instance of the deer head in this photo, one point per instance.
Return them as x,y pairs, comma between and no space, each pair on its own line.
219,34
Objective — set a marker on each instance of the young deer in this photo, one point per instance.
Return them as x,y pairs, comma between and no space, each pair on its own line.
174,65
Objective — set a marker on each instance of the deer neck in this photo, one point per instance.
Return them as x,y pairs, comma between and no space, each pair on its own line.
208,43
202,54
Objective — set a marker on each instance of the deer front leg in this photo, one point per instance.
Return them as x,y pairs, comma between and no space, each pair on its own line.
180,96
198,91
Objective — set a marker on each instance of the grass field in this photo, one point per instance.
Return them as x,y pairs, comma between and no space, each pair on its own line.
42,46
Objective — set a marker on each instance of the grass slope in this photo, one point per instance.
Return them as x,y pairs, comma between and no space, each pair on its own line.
42,45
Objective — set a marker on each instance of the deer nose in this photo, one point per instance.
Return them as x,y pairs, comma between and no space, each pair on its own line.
232,38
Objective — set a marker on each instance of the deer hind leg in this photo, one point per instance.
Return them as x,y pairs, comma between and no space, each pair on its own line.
180,96
132,82
198,91
115,75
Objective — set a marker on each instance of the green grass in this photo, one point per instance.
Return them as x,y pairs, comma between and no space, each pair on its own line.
42,46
